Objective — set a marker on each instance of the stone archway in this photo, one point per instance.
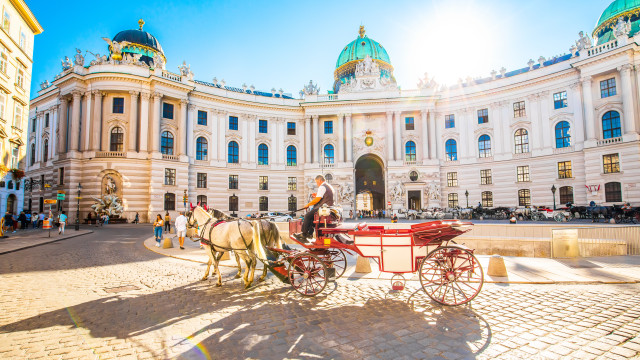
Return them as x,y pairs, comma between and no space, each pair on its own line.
369,176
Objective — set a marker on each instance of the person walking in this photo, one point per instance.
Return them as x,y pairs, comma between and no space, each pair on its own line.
167,222
157,229
40,219
62,219
8,221
34,220
137,219
181,228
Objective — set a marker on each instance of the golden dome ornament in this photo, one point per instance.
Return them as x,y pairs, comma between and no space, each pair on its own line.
368,140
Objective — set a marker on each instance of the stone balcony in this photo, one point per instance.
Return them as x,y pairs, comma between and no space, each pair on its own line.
170,157
610,141
110,154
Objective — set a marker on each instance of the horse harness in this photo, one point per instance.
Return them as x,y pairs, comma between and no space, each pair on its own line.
210,243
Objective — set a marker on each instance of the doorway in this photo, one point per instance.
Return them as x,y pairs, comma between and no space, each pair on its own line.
414,199
369,176
11,203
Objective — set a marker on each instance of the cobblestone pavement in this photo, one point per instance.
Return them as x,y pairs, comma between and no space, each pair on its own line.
104,296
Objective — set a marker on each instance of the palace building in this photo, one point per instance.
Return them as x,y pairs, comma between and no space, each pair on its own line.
123,124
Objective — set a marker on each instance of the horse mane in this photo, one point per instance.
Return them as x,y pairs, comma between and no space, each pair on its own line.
218,214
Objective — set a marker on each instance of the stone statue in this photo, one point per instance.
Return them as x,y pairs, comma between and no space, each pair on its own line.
115,48
78,58
426,83
346,193
622,28
184,68
110,186
66,64
158,62
311,89
45,84
397,192
584,42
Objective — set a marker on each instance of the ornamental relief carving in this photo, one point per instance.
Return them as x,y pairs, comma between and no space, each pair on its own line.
233,136
117,120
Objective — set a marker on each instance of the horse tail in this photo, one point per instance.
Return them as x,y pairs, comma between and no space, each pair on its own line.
257,245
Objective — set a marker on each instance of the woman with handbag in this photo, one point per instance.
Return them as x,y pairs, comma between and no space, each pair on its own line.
157,229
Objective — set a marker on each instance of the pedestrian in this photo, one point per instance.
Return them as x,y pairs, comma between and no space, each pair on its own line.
41,219
350,214
181,229
15,222
23,220
137,219
28,221
89,218
157,229
8,221
62,219
167,223
34,220
106,219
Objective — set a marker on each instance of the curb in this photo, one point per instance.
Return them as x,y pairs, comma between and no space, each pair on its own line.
46,242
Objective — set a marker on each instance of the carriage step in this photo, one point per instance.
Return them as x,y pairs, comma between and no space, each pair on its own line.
331,274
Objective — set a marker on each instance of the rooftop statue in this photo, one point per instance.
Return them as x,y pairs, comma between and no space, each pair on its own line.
158,62
115,48
185,70
311,89
622,28
78,58
66,63
584,42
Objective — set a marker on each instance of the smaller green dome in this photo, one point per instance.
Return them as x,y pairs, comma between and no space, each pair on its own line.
627,10
359,48
616,8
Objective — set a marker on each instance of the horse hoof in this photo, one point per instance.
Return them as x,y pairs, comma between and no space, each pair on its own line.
238,276
203,279
218,284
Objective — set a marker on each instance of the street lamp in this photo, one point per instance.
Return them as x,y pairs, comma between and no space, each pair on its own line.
553,191
78,210
466,193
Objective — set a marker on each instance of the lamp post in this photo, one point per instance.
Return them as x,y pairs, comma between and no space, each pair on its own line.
466,193
235,205
78,209
553,191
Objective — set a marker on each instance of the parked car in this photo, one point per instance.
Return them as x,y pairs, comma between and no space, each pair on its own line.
279,217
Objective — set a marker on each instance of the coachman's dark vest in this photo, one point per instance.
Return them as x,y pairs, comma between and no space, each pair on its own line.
327,198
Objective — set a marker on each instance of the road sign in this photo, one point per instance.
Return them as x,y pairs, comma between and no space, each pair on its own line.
50,201
47,185
61,196
388,203
61,192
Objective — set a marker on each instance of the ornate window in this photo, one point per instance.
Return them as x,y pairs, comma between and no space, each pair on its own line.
166,143
328,127
292,156
233,123
521,140
611,163
291,128
264,203
523,173
233,182
167,110
409,123
451,149
293,203
413,175
452,200
117,139
449,121
607,88
328,154
487,199
519,109
292,183
169,201
564,170
45,150
410,151
202,200
563,135
201,182
201,148
485,177
560,100
202,117
233,152
484,146
233,203
452,179
118,105
169,176
263,154
524,197
33,155
611,125
566,194
613,192
263,127
263,183
483,116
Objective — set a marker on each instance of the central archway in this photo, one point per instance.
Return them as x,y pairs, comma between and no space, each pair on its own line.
369,175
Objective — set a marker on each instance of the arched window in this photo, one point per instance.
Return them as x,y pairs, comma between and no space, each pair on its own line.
611,125
566,194
33,154
263,202
233,152
328,154
451,148
613,192
117,139
166,143
487,199
263,154
45,150
202,146
292,156
563,136
484,146
410,151
202,200
521,139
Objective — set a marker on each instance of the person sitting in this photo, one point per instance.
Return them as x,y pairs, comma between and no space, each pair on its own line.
626,206
323,196
394,218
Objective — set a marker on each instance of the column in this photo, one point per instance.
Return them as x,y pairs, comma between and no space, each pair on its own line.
499,139
316,138
424,127
96,127
349,137
629,116
222,131
144,121
339,124
588,108
439,141
244,131
38,141
74,129
53,146
398,136
182,129
133,121
191,121
282,133
467,141
155,128
273,129
62,137
546,135
505,123
389,136
578,120
252,144
307,140
88,125
536,126
433,140
213,124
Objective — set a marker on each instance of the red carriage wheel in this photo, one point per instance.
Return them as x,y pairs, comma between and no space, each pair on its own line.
451,275
308,274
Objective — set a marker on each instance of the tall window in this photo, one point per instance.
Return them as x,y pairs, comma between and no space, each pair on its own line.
291,128
484,146
45,150
17,120
201,180
3,100
451,149
233,203
483,116
521,140
4,60
6,21
15,156
169,176
452,200
117,139
202,146
46,120
202,117
607,87
487,199
293,203
292,156
167,110
202,200
519,109
523,173
452,179
61,176
262,126
23,40
563,136
118,105
233,123
292,183
263,154
34,124
33,154
409,123
263,203
524,197
166,143
613,192
328,154
564,170
410,151
169,201
485,177
263,183
560,100
611,163
328,127
233,151
449,121
566,194
20,76
611,125
233,182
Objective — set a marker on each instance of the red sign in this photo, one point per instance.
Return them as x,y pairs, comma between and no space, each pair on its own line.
388,203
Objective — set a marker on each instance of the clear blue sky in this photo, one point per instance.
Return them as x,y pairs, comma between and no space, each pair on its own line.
284,44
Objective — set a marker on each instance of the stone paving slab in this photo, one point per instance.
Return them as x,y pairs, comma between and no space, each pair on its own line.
24,239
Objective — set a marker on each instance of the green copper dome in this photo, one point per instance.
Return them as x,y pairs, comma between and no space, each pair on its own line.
359,48
625,9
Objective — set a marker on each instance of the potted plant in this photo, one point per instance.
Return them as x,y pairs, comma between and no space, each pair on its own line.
17,174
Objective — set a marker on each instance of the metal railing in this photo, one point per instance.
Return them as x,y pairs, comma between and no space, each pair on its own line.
609,240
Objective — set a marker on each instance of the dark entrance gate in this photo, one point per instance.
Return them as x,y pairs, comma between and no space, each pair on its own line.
414,200
370,178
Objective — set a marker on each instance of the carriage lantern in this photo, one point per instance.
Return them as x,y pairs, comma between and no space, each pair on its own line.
553,191
466,193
